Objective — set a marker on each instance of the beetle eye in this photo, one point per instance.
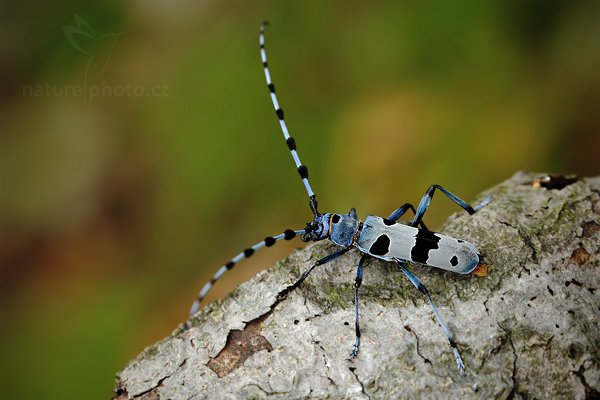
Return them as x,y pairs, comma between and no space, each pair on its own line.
335,219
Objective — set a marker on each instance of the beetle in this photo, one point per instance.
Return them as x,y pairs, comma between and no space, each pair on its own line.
377,237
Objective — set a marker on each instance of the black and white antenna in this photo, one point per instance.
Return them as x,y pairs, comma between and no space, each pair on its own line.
302,169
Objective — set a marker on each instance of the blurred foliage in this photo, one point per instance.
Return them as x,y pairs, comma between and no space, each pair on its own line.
115,209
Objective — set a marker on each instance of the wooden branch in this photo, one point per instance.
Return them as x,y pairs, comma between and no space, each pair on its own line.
530,328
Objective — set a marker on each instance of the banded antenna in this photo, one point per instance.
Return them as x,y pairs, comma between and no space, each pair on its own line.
302,169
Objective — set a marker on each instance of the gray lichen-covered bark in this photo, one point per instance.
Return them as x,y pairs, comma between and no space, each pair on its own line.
529,329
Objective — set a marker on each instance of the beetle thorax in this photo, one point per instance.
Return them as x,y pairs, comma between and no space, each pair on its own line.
342,229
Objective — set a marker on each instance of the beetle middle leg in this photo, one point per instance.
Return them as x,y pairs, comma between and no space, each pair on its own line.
400,211
357,283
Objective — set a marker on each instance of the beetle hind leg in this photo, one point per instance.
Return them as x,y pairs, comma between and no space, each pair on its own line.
417,283
426,199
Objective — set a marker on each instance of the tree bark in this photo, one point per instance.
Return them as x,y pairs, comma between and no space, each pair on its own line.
530,328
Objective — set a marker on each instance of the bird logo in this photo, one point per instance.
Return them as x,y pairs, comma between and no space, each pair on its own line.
98,48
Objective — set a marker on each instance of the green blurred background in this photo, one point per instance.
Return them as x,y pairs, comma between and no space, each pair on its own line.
116,208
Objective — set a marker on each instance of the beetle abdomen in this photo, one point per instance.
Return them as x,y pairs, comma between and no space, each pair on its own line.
388,240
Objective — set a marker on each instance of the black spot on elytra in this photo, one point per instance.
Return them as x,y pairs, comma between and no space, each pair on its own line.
460,241
388,222
335,218
381,246
425,241
454,261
